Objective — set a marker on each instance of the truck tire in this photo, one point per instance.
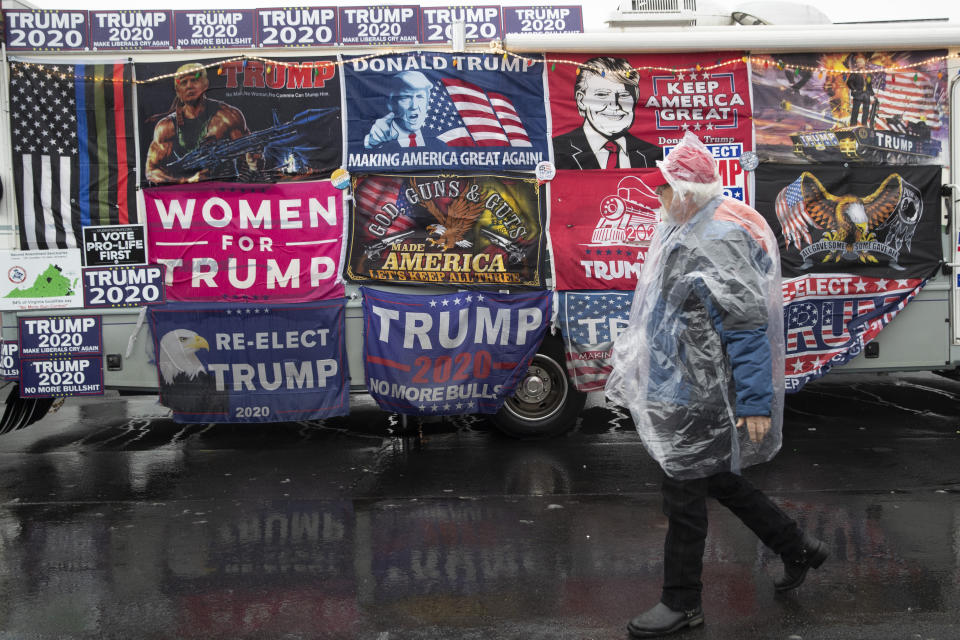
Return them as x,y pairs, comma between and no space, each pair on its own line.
545,403
22,412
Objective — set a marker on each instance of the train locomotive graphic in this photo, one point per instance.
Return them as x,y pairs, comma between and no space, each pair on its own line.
629,216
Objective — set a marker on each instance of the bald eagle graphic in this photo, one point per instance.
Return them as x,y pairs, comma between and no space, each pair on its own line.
185,384
894,206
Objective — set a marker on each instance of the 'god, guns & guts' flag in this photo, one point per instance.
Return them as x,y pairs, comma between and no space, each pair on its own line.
73,150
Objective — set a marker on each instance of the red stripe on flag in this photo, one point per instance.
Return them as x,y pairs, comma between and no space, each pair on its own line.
389,363
119,109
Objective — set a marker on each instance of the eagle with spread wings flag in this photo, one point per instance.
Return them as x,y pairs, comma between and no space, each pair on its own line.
452,223
848,219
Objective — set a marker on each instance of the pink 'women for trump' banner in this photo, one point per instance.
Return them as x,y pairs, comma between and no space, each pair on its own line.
224,241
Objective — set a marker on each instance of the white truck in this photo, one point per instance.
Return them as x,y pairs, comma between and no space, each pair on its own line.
925,336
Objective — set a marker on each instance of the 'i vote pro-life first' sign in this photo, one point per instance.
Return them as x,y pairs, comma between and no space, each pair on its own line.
60,336
119,244
449,354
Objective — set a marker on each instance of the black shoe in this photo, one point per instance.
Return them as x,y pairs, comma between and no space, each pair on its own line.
812,554
662,620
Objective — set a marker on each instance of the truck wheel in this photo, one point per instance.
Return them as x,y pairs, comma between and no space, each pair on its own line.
545,403
22,412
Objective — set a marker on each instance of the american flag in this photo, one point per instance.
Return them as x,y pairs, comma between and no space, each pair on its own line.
585,323
371,192
914,100
464,115
794,219
73,150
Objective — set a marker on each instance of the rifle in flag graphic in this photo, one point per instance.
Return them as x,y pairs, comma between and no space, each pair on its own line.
419,111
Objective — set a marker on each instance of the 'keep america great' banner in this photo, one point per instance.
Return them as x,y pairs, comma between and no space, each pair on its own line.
448,354
424,110
641,112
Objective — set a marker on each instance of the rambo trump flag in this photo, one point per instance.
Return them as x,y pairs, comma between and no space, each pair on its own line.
72,150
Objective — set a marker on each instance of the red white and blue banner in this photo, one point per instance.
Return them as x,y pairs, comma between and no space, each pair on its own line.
600,228
251,363
590,322
856,245
449,354
425,110
829,318
231,242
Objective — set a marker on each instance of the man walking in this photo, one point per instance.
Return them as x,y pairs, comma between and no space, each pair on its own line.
701,368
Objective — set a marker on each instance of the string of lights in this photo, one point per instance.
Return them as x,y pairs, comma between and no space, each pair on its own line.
496,48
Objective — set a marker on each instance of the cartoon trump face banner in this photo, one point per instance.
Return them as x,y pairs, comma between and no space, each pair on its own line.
620,112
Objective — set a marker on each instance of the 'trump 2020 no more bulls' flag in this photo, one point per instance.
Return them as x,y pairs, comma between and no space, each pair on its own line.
452,111
251,363
590,322
73,151
447,354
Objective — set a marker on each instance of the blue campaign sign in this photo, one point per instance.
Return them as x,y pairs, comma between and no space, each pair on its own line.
215,28
46,30
481,23
61,377
118,287
9,360
297,27
394,24
448,354
550,19
131,29
251,363
60,335
423,110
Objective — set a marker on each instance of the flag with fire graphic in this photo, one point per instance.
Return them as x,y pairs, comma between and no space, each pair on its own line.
865,106
856,245
441,229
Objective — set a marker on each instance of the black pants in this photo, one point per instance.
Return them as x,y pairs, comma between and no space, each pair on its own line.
685,504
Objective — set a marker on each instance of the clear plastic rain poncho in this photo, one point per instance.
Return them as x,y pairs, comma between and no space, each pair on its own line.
704,345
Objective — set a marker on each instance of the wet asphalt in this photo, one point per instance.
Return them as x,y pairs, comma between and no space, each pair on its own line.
116,522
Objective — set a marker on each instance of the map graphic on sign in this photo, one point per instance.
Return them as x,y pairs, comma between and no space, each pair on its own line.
40,279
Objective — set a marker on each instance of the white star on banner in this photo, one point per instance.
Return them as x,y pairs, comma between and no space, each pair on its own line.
860,285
